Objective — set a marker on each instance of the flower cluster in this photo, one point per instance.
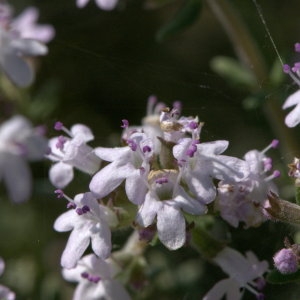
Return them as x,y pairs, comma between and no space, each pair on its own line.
166,173
243,201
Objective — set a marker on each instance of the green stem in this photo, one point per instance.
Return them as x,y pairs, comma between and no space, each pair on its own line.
250,55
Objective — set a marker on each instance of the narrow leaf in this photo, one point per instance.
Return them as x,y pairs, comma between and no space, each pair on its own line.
186,16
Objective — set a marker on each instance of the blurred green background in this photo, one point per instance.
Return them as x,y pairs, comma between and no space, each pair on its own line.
101,68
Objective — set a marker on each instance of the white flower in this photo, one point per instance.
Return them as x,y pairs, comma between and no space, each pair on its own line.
20,39
95,278
129,163
19,142
13,50
165,200
293,117
103,4
72,152
242,201
201,162
244,273
89,223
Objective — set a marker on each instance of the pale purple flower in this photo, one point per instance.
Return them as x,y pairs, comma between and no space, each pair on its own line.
96,279
244,273
89,223
199,163
25,25
103,4
130,163
19,142
5,292
20,39
166,200
72,152
13,50
242,201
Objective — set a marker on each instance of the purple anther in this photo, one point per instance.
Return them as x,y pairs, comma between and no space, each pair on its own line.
85,275
58,125
276,173
132,144
59,193
79,211
147,149
162,180
193,125
85,209
192,149
94,278
125,124
296,67
71,205
297,47
275,143
61,140
267,164
286,68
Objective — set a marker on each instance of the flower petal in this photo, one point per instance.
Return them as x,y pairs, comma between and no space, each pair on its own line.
148,210
77,243
109,178
17,176
171,227
292,100
61,174
101,241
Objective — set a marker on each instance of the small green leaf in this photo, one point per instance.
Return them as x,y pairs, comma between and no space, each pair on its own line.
275,277
186,16
230,69
276,74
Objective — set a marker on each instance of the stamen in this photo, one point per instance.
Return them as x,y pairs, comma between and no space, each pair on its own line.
125,124
94,278
85,275
297,47
60,126
162,180
132,144
286,69
273,144
193,125
275,174
147,149
61,140
59,193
